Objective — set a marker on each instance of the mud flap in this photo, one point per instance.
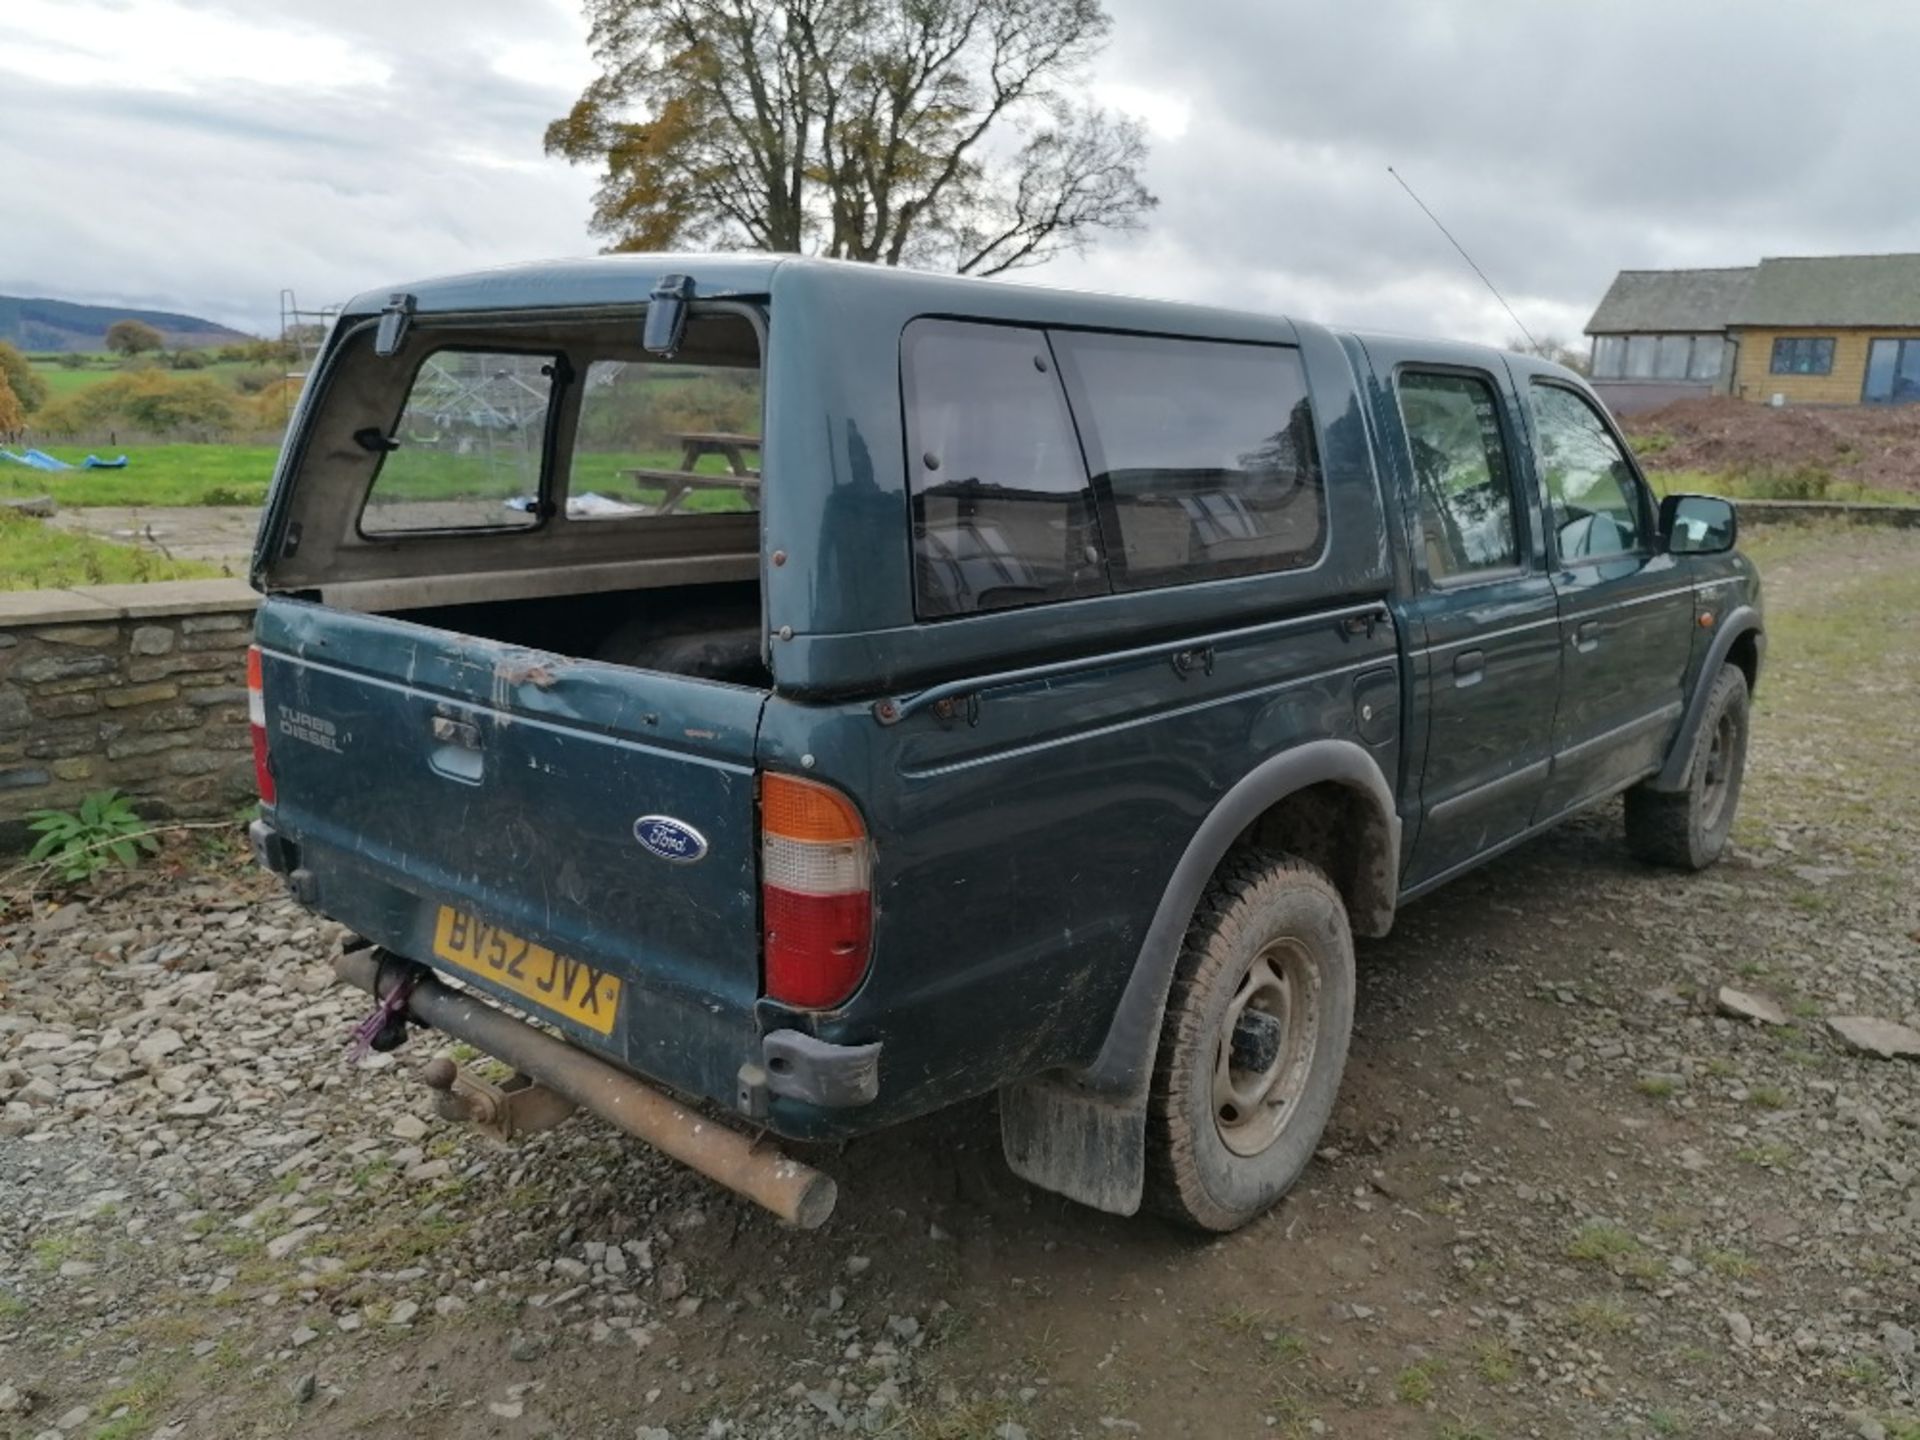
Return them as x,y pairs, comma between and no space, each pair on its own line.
1089,1148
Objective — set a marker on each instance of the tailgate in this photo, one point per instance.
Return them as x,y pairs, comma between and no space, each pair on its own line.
456,797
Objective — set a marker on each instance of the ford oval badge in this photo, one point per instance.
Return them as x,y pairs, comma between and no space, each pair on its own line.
670,839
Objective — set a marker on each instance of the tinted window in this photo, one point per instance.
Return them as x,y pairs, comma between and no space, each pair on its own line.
665,439
1590,486
1002,515
468,446
1460,472
1203,455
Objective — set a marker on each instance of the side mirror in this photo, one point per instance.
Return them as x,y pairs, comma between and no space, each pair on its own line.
1698,525
667,315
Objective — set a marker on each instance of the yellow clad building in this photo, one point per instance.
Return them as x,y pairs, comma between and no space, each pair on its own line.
1797,330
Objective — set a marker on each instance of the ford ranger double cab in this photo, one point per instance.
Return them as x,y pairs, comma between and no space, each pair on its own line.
755,698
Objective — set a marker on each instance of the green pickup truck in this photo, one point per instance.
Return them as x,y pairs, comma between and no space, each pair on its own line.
763,697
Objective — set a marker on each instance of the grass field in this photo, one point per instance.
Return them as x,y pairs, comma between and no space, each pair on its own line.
34,556
62,380
239,474
155,475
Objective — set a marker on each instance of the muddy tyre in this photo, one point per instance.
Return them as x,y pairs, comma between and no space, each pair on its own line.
1253,1043
1688,829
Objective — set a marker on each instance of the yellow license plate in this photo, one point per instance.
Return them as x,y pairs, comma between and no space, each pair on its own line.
553,982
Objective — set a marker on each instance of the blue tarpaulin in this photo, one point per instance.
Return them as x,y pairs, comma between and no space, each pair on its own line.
40,460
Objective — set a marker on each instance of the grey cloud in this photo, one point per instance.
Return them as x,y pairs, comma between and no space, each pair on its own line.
1559,142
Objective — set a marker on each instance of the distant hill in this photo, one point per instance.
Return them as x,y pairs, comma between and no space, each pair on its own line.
65,325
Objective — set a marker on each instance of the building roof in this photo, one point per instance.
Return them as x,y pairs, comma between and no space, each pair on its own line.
1837,290
1654,301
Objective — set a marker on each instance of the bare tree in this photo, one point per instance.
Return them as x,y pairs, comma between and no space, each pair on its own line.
945,133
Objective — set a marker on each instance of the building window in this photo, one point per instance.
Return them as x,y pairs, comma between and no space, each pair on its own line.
1709,352
1658,357
1893,373
1803,355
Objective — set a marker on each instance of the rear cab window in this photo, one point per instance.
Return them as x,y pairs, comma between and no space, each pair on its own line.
468,450
658,438
501,443
1049,465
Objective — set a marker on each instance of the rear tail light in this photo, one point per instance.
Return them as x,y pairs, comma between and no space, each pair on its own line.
257,723
816,892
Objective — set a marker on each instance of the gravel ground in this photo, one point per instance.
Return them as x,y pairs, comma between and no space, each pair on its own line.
1564,1194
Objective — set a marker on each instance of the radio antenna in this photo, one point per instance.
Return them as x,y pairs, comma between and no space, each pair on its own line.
1464,256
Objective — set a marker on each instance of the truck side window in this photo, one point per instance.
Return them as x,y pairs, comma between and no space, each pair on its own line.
1462,481
1590,486
1002,514
467,447
1203,455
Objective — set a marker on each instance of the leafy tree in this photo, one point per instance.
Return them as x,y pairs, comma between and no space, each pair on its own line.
12,414
133,337
946,133
29,389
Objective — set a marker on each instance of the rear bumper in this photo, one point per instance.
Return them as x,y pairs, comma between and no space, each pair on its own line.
795,1192
720,1047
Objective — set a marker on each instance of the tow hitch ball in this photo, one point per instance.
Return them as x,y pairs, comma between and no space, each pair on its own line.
516,1106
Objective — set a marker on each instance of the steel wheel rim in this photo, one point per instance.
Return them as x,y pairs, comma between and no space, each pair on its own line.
1718,773
1251,1106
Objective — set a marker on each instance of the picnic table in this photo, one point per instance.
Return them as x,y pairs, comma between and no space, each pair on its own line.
684,481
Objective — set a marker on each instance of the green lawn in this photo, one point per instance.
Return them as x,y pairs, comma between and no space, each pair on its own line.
64,381
155,475
34,556
238,475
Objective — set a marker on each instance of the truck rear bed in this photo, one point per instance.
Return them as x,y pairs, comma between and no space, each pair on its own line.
528,824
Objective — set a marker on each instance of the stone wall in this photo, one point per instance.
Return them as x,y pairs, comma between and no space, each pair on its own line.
138,688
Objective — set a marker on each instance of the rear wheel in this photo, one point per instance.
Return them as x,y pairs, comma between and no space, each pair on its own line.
1688,828
1253,1044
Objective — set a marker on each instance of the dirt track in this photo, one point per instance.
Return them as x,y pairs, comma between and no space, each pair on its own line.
1561,1197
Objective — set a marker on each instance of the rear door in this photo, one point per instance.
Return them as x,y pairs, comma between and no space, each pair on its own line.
537,824
1626,610
1490,662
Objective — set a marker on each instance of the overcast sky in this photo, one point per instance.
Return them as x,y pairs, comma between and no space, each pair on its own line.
200,155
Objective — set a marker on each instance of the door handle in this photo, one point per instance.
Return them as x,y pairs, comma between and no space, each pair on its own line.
1586,636
456,752
449,731
1469,668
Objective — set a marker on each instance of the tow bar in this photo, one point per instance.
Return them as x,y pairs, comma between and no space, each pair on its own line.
563,1076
